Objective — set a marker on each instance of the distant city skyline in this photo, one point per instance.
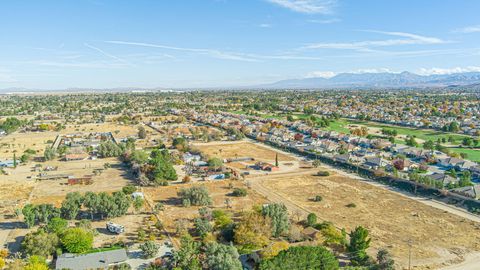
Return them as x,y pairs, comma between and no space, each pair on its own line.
227,43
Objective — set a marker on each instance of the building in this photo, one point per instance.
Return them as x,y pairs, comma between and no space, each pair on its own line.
97,260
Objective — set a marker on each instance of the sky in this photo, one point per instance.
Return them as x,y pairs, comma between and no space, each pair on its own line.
226,43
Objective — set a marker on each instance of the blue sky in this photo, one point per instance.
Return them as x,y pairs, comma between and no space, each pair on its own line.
207,43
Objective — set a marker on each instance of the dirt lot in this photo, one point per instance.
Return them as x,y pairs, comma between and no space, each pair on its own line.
438,237
242,149
219,191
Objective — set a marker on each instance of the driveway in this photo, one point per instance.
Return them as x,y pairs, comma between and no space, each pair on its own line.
135,259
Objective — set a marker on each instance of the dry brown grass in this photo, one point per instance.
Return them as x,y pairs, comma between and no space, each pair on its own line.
242,149
392,219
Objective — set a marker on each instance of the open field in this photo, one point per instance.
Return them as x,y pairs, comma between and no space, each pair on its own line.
19,142
438,237
242,149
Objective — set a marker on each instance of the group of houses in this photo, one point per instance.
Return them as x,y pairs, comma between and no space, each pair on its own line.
375,153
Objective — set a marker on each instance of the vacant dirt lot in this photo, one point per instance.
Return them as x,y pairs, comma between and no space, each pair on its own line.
437,237
242,149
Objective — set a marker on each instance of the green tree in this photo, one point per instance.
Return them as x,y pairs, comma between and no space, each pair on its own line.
222,257
311,219
28,212
40,243
49,153
300,258
385,260
196,195
359,243
138,203
149,249
186,258
71,205
278,214
202,226
142,133
77,240
215,163
57,225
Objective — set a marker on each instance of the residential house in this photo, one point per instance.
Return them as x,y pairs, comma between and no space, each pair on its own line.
375,162
97,260
469,191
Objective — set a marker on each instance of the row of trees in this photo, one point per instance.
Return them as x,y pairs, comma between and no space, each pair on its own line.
97,204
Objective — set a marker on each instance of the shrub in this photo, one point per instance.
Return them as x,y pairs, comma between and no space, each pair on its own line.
129,189
197,195
351,205
239,192
317,198
149,249
323,173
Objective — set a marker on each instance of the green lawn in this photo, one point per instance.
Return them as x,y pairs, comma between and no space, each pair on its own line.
340,125
472,154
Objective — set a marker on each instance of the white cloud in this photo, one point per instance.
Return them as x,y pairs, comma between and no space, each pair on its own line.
321,74
366,45
469,29
444,71
307,6
106,54
326,21
211,52
265,25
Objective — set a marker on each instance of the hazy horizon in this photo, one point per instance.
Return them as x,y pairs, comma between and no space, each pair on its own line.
210,44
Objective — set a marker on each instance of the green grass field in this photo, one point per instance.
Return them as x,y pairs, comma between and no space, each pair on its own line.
472,154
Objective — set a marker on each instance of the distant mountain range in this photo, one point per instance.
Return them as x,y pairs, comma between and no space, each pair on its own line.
376,80
341,80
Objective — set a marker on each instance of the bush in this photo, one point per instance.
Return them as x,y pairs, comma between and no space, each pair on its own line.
197,195
149,249
317,198
351,205
302,257
239,192
311,219
323,173
129,189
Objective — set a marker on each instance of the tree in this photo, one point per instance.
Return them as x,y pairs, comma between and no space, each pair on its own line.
139,157
202,226
77,240
142,133
91,201
311,219
109,149
222,257
49,153
40,243
149,249
465,179
278,214
138,203
359,243
196,195
316,163
180,143
36,263
57,225
129,189
429,145
186,258
215,163
301,257
273,249
28,212
276,160
385,260
253,231
71,205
